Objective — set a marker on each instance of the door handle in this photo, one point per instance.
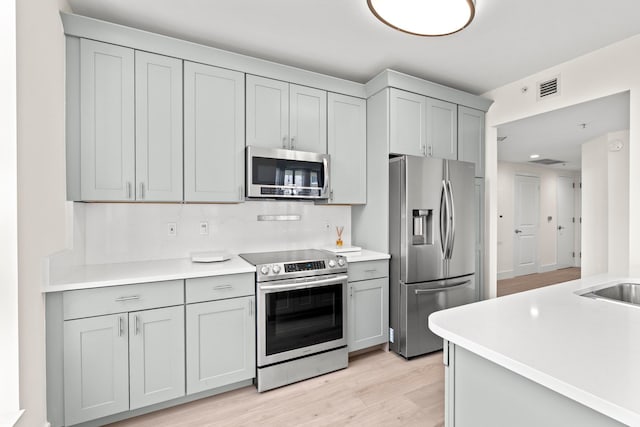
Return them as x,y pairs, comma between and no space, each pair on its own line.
518,231
561,227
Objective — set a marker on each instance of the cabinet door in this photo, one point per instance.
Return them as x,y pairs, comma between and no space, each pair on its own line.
156,352
158,127
213,134
471,137
368,313
442,129
96,367
308,119
220,343
107,134
347,145
267,112
407,122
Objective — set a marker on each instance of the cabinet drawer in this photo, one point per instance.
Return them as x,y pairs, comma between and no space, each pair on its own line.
220,287
119,299
368,270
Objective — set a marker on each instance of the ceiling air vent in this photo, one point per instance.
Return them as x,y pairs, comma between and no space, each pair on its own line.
549,88
547,161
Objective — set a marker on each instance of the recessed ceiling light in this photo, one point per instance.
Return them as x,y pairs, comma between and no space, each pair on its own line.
424,17
534,156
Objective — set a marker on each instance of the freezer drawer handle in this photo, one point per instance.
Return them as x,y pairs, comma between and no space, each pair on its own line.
446,288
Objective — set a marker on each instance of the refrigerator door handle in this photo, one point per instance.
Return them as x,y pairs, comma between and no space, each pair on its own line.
443,288
452,216
444,220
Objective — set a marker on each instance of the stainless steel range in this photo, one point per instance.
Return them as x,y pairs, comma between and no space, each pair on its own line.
301,315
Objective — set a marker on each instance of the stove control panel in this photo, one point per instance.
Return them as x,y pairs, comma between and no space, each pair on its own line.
304,266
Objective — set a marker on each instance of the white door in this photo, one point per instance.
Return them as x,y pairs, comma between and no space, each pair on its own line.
107,132
442,129
96,367
566,216
156,352
221,338
526,216
307,119
158,128
347,146
407,123
267,112
213,134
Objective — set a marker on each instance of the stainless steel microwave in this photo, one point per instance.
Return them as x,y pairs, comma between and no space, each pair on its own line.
277,173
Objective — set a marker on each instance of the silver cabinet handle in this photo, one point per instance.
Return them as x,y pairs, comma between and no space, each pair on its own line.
131,298
240,193
142,190
429,151
128,190
373,270
293,143
331,195
137,320
222,287
442,289
284,142
423,149
120,326
250,308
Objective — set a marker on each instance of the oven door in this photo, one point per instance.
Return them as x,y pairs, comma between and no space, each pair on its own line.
299,317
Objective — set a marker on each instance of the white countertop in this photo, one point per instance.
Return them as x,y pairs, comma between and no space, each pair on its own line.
99,275
365,255
585,349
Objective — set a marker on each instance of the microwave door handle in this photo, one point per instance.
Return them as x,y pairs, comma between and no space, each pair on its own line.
452,216
325,165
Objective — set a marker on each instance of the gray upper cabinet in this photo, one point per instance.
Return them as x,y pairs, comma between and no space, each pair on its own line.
158,127
407,123
213,134
96,367
347,145
442,129
107,134
471,137
283,115
156,351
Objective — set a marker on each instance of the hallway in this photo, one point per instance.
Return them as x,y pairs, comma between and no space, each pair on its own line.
536,280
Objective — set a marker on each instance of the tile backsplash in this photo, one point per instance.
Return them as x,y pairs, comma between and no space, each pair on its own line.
126,232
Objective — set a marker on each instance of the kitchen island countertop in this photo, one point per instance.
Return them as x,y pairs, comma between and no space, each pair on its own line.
584,349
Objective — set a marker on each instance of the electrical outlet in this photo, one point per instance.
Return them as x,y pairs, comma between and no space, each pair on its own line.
204,228
172,229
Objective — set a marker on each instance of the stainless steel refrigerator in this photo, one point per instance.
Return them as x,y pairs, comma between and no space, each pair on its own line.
432,245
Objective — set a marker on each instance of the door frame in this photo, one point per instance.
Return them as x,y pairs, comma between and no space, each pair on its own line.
572,202
515,236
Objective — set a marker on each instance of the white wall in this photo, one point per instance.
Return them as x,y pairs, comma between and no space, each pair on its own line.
41,184
127,232
8,215
604,72
547,231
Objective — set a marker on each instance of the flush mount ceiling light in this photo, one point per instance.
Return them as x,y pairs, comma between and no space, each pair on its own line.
424,17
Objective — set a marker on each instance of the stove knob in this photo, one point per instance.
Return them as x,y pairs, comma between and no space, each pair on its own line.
332,263
264,270
276,269
341,262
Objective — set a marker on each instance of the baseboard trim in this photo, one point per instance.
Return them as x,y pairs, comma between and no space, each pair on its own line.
547,268
508,274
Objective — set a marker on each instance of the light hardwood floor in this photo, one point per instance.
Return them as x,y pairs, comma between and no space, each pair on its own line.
538,280
378,389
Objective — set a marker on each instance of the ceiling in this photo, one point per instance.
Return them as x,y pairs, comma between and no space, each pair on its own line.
508,40
559,134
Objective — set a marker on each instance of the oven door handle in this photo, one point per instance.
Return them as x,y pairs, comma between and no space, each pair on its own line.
291,285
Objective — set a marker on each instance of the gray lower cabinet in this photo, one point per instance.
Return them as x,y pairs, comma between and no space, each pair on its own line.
156,356
125,361
220,343
96,367
368,304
